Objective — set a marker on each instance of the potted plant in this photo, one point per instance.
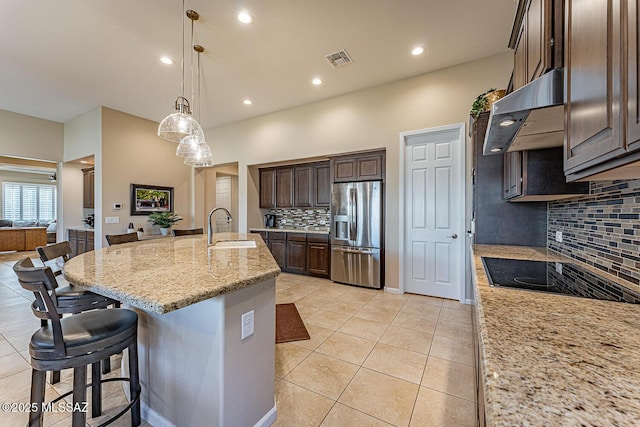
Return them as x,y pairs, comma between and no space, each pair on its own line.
164,220
484,101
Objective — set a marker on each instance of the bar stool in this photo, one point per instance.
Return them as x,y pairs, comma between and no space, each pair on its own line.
75,342
72,299
116,239
191,232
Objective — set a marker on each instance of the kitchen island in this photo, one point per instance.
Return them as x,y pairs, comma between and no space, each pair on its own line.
190,297
548,359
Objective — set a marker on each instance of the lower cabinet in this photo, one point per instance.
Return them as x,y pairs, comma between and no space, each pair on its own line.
300,253
81,241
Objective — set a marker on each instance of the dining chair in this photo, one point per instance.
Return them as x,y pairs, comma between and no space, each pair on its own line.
116,239
190,232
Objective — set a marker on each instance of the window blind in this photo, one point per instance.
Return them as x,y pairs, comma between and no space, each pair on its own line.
28,202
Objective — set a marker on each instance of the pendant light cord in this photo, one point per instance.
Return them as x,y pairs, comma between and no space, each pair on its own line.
182,64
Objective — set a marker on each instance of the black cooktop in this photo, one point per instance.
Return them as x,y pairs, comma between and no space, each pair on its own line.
555,277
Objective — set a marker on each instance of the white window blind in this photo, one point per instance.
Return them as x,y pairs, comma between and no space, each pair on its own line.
28,202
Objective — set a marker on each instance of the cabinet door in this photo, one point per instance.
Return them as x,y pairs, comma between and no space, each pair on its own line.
633,79
88,181
303,186
520,60
322,185
284,187
538,27
344,169
278,249
90,245
370,167
318,259
592,83
267,188
296,256
512,174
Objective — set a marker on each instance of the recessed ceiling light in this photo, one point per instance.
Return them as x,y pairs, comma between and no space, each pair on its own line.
316,81
507,122
496,150
418,50
247,102
166,60
245,17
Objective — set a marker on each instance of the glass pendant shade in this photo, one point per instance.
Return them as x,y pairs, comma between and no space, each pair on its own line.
201,158
188,146
180,124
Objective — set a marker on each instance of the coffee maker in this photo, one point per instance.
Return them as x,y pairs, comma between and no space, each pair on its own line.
269,220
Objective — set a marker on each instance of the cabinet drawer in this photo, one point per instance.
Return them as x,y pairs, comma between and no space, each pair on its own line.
317,238
297,237
277,235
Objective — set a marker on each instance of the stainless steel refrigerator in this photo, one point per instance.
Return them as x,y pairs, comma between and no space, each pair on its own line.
356,233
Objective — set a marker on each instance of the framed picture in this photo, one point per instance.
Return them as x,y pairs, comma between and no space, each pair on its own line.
146,199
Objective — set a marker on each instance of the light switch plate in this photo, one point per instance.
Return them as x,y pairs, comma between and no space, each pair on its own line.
112,220
247,324
559,236
117,206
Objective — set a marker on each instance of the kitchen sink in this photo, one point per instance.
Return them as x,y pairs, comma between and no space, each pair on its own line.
234,244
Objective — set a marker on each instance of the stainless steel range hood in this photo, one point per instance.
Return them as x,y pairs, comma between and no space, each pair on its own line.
529,118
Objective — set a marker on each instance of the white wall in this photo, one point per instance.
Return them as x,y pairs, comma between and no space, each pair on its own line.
72,196
363,120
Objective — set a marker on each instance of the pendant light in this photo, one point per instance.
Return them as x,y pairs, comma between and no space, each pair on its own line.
181,124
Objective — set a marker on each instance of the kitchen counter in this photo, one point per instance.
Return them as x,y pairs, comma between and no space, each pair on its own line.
145,274
196,365
80,227
293,230
554,359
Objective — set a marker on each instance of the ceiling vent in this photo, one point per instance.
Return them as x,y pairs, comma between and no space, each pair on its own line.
339,58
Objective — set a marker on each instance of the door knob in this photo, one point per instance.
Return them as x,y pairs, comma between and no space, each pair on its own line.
453,236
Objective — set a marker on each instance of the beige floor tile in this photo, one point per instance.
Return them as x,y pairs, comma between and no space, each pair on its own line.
322,374
316,301
20,342
347,347
305,311
421,309
455,305
386,303
318,335
381,396
397,362
436,409
299,407
304,288
111,405
407,339
27,326
423,299
453,315
345,307
448,328
449,377
13,363
353,293
14,299
415,322
343,416
5,348
327,319
331,292
363,328
377,314
452,349
287,296
17,387
288,356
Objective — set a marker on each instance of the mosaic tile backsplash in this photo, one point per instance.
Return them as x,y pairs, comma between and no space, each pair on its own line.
602,229
300,218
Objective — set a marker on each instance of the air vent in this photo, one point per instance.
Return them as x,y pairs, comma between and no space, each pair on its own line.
339,58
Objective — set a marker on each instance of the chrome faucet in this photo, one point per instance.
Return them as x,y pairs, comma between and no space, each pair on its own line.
209,228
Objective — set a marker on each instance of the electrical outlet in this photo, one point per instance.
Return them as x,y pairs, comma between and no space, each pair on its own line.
112,220
247,324
559,236
559,268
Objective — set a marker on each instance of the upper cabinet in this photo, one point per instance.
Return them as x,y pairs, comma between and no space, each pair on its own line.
305,185
359,167
536,38
602,132
88,187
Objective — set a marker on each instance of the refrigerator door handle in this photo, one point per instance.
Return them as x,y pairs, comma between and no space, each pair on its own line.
353,220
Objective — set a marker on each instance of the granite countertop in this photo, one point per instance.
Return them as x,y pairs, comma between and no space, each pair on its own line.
80,227
294,230
554,359
163,275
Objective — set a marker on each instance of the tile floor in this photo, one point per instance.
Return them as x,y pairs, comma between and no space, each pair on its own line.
374,358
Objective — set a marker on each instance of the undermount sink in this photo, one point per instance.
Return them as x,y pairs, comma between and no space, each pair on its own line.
234,244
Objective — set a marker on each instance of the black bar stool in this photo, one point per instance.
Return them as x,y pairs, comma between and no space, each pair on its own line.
190,232
72,299
75,342
117,239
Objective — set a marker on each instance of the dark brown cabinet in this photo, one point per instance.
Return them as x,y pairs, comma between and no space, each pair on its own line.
268,188
277,244
81,241
88,186
358,167
284,187
303,186
318,255
537,175
322,185
296,252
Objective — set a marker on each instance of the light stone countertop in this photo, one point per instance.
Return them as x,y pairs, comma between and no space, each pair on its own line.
554,360
80,227
163,275
292,230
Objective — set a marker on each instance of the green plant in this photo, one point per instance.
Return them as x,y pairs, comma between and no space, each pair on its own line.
164,219
480,104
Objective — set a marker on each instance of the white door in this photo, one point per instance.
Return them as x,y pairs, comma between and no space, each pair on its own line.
434,212
223,200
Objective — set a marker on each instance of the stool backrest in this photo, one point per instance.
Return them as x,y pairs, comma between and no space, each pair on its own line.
116,239
188,232
60,250
42,282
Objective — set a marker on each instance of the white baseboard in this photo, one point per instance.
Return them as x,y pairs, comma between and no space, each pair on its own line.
470,302
268,419
154,418
393,290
